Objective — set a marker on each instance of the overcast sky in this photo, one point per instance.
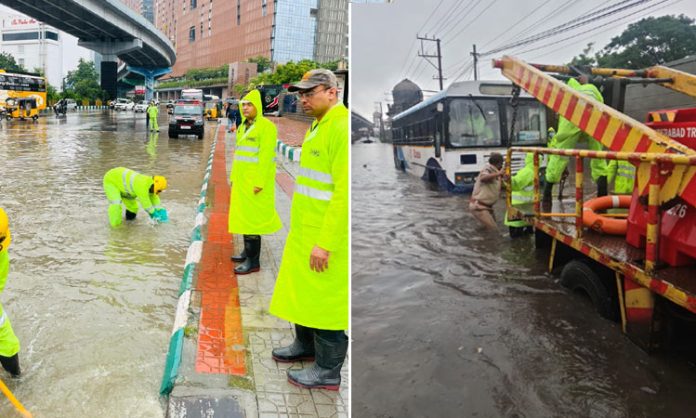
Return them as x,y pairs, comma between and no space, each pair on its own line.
383,46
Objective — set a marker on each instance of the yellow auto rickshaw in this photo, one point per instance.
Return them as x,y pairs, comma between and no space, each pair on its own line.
211,110
22,108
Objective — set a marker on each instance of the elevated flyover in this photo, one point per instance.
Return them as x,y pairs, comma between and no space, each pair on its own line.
110,28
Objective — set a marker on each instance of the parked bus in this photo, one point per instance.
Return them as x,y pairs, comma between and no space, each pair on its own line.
15,86
448,138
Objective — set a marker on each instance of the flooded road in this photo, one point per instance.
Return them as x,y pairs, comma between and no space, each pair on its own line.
92,306
449,320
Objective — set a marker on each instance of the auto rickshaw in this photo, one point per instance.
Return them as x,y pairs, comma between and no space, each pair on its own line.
22,108
211,110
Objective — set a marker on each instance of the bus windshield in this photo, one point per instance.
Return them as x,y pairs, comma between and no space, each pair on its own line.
530,123
474,123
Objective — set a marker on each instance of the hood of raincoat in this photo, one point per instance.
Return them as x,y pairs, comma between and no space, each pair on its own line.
254,97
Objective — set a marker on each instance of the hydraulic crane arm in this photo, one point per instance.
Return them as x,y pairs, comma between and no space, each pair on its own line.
613,129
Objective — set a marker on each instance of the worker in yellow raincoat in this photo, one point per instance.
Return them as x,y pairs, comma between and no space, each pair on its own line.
152,113
567,137
122,185
252,199
9,343
311,290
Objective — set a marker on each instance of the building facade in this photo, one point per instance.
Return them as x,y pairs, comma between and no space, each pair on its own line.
34,45
209,33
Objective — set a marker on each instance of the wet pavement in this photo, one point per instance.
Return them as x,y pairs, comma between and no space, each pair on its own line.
93,306
450,320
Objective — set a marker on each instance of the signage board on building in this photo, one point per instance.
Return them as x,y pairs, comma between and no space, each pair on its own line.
139,90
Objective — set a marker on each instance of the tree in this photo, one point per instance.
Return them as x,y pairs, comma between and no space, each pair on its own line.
584,58
650,41
262,63
8,63
289,72
83,82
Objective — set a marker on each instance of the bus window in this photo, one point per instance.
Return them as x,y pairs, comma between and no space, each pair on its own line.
474,123
530,123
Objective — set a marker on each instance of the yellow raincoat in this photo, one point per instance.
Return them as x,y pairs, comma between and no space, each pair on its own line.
122,185
319,216
9,343
254,166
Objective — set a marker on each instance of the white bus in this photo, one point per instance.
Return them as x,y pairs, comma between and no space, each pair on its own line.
192,94
448,138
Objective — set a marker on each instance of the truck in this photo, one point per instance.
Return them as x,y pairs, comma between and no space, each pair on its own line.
645,279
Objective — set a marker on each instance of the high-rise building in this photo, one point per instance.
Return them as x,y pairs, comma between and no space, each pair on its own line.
134,4
209,33
33,44
148,10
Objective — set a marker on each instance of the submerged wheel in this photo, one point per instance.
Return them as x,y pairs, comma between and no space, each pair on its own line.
579,277
173,135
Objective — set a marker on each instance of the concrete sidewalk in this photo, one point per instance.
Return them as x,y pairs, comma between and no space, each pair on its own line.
258,387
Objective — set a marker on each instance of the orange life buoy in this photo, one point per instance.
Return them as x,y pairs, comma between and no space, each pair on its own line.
612,226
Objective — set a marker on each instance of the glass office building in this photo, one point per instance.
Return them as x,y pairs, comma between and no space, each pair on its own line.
294,30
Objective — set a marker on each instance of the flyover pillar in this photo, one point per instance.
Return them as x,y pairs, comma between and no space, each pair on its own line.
109,70
150,74
110,50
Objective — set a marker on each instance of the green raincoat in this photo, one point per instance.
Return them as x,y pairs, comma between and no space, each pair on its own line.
568,136
319,216
122,185
254,166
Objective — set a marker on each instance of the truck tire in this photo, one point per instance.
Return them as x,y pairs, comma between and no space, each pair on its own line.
579,277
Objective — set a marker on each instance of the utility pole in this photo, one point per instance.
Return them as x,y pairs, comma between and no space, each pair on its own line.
422,54
475,55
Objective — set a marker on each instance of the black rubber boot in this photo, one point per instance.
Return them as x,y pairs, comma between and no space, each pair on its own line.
243,255
301,349
325,372
11,364
130,215
602,186
253,252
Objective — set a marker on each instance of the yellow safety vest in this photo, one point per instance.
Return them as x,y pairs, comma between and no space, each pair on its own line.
623,174
319,217
9,343
133,185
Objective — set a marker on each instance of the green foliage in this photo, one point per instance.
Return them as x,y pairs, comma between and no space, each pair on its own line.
197,74
262,63
190,83
52,95
290,72
650,41
8,63
584,58
83,82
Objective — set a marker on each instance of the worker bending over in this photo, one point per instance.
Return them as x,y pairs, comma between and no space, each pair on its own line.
126,186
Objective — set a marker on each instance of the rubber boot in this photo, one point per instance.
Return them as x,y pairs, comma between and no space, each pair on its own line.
130,215
602,186
325,372
301,349
11,364
253,253
243,255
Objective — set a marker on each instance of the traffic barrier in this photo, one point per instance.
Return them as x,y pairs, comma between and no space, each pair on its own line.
291,153
193,257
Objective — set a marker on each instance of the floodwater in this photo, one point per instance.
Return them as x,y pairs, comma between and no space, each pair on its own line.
449,320
93,307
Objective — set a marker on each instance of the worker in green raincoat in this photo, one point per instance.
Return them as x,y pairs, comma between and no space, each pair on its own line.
9,343
311,290
122,185
522,186
252,199
622,174
152,113
567,137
